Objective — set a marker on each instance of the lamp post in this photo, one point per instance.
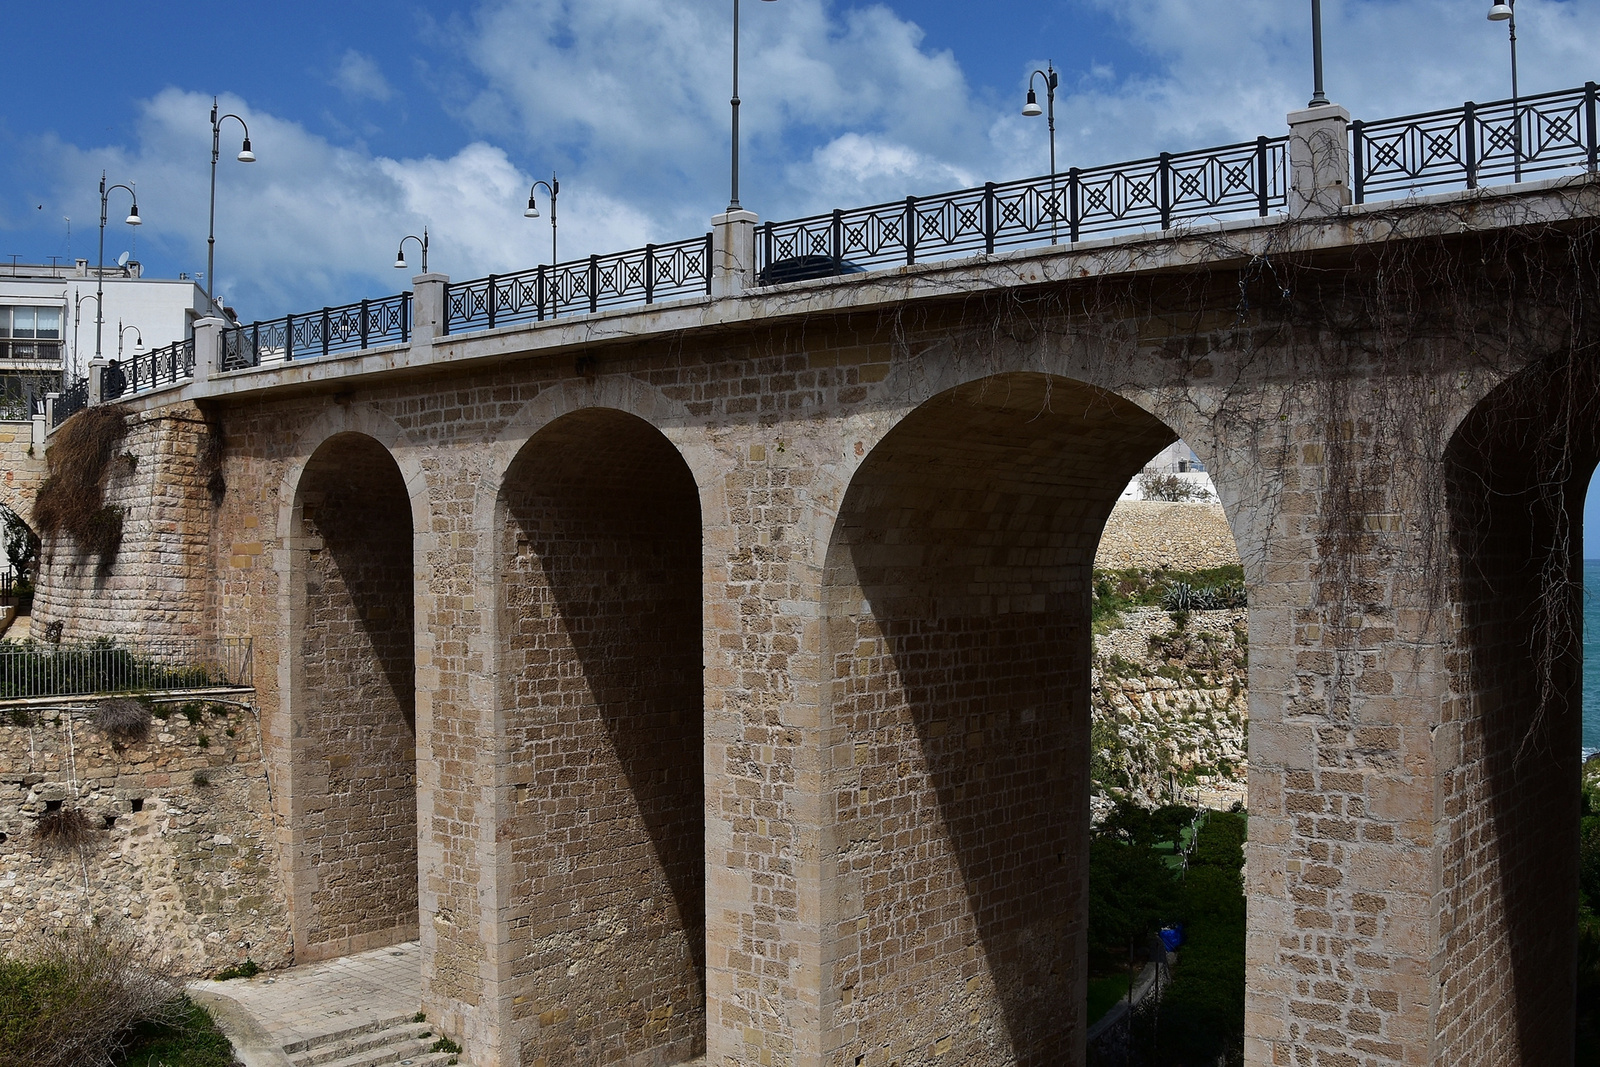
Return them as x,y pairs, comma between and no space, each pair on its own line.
733,201
244,156
100,273
1031,109
1318,97
1506,11
138,338
552,187
400,256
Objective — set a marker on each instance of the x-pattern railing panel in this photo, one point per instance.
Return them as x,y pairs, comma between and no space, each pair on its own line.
1474,143
638,276
347,328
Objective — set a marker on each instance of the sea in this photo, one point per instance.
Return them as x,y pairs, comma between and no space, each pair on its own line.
1591,657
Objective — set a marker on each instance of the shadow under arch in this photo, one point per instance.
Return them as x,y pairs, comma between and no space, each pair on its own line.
958,642
1517,472
353,692
600,661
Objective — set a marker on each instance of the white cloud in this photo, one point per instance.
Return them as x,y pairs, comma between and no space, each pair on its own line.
358,77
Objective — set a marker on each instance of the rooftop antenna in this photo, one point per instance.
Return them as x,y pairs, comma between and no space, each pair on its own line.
122,260
68,220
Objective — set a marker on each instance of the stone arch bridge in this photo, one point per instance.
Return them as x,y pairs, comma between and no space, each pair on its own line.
712,676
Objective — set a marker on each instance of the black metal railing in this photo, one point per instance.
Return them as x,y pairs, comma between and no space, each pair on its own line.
73,400
1242,179
639,276
33,669
1465,146
1475,143
31,351
349,328
168,366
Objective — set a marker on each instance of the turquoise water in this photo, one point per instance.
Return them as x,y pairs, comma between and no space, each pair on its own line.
1591,656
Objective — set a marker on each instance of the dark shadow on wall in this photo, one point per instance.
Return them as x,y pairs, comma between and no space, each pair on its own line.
959,600
1518,468
606,525
355,743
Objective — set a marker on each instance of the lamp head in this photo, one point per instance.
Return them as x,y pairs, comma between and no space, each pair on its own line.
533,210
1499,12
245,155
1032,108
133,218
400,260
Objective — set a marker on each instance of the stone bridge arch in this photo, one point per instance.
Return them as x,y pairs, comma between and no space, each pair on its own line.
350,708
956,674
598,659
1517,469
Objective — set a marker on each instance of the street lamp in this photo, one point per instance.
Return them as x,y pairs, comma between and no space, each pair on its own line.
552,187
400,256
1031,109
138,338
1507,12
244,156
100,274
1318,97
733,201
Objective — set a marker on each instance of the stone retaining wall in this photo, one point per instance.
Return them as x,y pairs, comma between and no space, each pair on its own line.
1156,534
182,848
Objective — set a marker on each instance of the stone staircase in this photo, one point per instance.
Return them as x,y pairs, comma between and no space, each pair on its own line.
399,1041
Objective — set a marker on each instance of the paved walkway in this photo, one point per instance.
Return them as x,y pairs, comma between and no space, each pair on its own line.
260,1015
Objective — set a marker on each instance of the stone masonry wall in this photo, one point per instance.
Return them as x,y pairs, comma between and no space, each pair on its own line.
182,852
159,586
22,467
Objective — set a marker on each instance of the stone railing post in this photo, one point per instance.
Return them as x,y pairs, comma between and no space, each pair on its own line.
97,377
50,411
427,308
208,348
1319,161
733,253
41,426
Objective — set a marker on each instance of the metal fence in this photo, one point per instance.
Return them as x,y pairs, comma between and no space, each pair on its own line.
72,400
42,670
349,328
150,370
1242,179
639,276
1475,143
1467,146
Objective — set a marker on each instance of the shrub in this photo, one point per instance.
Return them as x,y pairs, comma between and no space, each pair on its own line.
72,999
248,969
123,718
71,500
65,827
1170,487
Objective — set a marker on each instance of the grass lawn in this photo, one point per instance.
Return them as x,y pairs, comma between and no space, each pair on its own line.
195,1042
1105,992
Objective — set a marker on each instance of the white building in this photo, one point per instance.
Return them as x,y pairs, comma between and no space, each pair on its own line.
1179,461
48,317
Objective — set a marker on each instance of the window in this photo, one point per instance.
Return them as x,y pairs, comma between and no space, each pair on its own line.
31,333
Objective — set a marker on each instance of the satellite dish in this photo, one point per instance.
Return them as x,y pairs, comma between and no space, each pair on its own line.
122,260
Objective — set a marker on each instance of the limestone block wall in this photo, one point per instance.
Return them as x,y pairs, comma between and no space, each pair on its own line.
21,467
159,585
182,848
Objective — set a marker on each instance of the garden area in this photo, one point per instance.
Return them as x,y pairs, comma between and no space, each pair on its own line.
1172,875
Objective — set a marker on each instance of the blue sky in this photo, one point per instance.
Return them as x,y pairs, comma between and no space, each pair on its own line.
372,120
